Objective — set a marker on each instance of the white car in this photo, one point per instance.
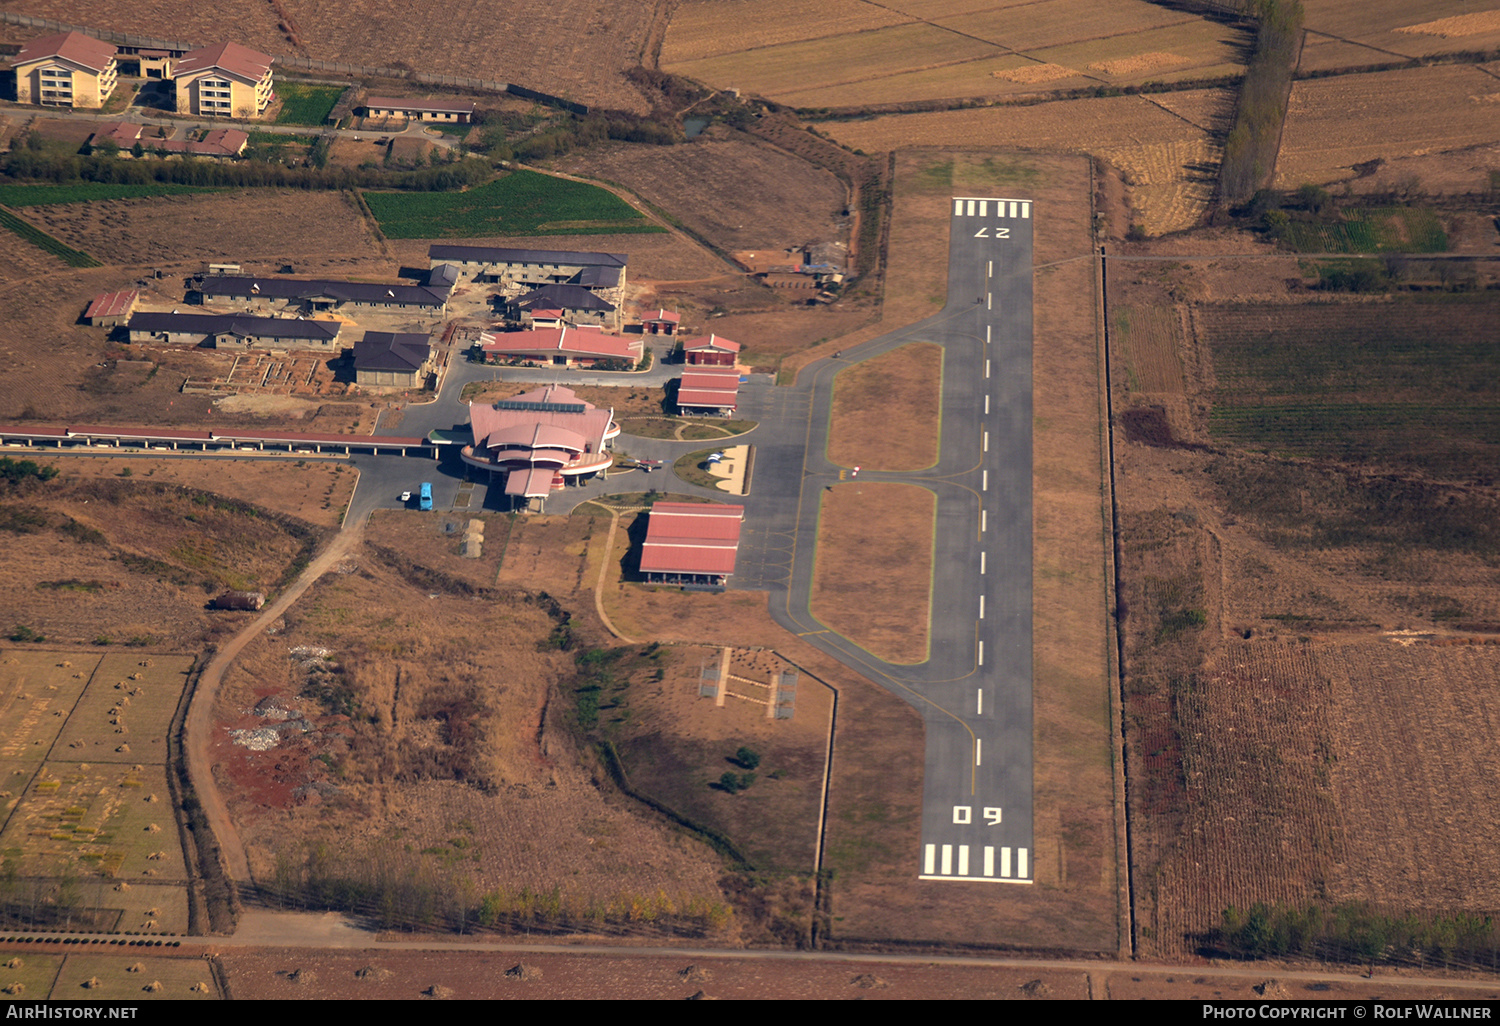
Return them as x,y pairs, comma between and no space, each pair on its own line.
406,496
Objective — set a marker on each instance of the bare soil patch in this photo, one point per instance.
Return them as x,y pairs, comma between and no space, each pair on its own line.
883,605
887,411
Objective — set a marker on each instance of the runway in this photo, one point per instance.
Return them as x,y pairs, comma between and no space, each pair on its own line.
975,690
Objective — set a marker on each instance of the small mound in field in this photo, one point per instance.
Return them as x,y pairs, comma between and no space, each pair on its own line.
300,976
14,963
199,988
695,974
137,968
868,981
373,974
1458,25
438,992
1272,989
523,972
91,983
1035,73
1035,989
153,986
700,996
1140,62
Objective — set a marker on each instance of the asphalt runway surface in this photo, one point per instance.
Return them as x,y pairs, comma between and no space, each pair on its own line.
975,690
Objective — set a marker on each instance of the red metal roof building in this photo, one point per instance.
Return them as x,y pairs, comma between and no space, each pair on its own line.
540,440
711,350
709,391
691,543
561,347
666,322
112,308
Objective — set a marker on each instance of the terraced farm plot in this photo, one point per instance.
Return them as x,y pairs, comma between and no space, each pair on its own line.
1334,123
1410,383
124,977
857,55
710,28
83,765
521,203
1354,33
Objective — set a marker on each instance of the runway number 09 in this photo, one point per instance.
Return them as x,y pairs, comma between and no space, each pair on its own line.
1000,233
963,815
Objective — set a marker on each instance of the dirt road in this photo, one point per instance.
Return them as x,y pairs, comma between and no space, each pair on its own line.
198,739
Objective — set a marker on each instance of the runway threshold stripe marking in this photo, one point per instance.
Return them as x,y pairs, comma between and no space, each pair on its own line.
1025,209
989,860
958,208
984,208
947,865
929,858
1021,867
971,208
963,860
1013,206
1005,862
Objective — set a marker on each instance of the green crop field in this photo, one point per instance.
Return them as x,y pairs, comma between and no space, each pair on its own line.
40,239
44,195
521,203
305,104
1413,384
1376,230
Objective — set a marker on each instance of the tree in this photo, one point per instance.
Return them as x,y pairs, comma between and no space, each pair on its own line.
747,757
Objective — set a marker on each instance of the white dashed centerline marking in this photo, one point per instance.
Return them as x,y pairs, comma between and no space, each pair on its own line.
981,563
979,710
981,653
986,368
987,298
981,607
986,404
986,441
984,481
978,761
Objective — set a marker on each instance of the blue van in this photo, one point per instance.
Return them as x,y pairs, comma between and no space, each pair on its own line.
424,501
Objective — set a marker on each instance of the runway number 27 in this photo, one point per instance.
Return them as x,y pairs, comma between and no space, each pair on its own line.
1000,233
963,815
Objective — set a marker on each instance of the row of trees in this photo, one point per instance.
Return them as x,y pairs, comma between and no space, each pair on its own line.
1250,150
1354,932
28,165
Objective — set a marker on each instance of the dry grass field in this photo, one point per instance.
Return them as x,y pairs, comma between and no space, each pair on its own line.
574,50
114,561
1171,156
84,746
777,200
882,605
318,233
857,55
896,397
1336,123
449,770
